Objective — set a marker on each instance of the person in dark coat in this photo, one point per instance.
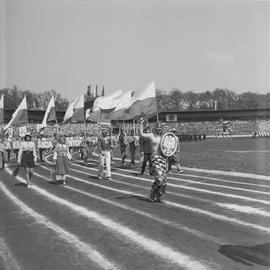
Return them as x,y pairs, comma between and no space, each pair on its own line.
146,149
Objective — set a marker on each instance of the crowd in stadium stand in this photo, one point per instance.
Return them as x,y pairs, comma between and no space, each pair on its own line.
197,130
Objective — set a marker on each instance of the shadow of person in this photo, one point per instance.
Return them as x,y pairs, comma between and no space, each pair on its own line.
259,254
54,182
20,185
134,196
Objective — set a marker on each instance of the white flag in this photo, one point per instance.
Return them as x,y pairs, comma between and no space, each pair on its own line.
107,102
20,116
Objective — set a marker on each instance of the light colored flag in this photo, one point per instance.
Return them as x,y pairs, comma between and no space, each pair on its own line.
147,92
107,102
20,116
121,109
124,101
145,103
50,114
69,111
2,110
78,110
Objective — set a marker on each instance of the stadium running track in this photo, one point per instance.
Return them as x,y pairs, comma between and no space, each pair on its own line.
208,220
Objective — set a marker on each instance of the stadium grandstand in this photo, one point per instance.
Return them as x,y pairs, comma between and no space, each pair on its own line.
187,123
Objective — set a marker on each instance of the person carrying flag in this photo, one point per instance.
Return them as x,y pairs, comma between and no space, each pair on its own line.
158,160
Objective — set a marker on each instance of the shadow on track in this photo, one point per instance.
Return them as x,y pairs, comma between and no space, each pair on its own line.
135,196
20,185
259,254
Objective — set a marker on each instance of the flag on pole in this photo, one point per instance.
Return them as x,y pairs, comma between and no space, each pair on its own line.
89,90
145,103
69,111
122,106
20,116
96,94
107,102
2,110
78,110
50,114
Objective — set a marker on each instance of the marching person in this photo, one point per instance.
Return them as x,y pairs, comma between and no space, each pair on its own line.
27,157
159,162
174,159
41,149
123,145
113,146
146,150
84,150
7,146
61,157
132,148
2,153
104,148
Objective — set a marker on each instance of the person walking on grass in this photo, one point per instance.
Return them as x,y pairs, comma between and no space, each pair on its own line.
27,157
61,158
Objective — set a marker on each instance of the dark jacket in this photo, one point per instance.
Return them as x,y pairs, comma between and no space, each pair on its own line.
145,145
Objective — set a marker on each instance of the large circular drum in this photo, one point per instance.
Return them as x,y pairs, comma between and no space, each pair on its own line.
168,144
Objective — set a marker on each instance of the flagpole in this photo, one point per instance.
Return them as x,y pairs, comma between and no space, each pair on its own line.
133,126
99,117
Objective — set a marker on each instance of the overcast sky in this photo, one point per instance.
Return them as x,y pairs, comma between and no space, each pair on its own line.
192,45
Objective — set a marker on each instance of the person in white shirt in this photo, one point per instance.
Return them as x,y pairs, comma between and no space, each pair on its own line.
27,157
104,147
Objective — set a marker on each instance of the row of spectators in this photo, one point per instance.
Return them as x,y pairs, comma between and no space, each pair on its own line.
196,130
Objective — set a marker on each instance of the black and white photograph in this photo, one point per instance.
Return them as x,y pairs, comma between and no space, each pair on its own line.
134,134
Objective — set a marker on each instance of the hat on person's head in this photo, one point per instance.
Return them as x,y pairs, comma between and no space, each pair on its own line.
28,135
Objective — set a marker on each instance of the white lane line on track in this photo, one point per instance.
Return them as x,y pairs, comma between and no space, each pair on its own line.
240,197
8,259
234,174
221,180
157,248
219,172
85,249
127,184
209,184
244,209
197,176
142,213
221,186
191,209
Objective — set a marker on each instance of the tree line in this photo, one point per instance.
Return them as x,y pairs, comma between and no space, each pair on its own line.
35,101
221,99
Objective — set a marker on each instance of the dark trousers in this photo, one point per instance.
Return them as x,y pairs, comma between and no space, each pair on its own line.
3,159
8,155
41,154
146,157
173,160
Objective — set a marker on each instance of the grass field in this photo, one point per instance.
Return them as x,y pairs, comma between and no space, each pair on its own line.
244,155
238,154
